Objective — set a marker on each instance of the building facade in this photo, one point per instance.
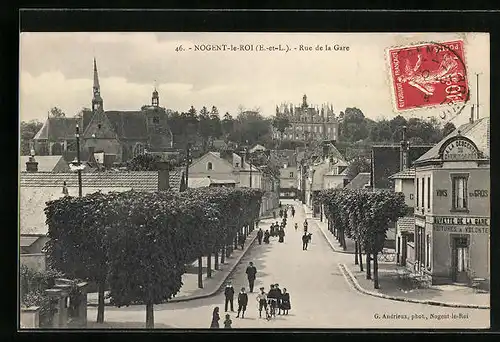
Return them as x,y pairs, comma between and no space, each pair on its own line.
120,135
452,207
288,181
307,122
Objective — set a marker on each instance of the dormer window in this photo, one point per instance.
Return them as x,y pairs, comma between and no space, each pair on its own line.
209,166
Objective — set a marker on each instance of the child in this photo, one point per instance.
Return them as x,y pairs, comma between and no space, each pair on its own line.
227,322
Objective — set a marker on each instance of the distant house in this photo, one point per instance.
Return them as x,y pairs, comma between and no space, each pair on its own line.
47,163
37,188
361,181
257,148
227,167
201,182
288,181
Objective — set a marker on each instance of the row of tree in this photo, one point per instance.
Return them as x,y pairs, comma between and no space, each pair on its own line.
364,216
139,243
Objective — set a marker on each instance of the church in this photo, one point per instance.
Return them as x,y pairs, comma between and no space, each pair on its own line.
118,135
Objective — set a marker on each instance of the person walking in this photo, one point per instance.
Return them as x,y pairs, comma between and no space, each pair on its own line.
242,303
293,211
215,318
278,297
305,226
285,301
305,241
272,297
310,237
266,236
228,322
260,234
262,300
251,273
229,294
296,226
281,235
241,240
281,213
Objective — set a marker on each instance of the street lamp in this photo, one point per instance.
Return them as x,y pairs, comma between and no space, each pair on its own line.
78,162
188,157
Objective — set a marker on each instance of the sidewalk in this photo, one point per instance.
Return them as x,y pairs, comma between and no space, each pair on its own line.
332,240
393,288
189,289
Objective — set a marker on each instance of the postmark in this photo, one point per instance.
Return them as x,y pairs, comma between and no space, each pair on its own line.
429,75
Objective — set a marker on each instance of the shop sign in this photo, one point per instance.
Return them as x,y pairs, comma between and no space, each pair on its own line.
461,220
460,149
460,229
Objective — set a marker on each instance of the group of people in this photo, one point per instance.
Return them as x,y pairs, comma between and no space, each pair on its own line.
274,300
274,230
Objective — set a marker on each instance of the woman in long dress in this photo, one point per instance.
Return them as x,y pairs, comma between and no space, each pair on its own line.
215,319
281,235
285,302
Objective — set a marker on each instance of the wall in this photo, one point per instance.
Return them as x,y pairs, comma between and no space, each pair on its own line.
38,245
36,261
109,146
331,182
30,318
221,169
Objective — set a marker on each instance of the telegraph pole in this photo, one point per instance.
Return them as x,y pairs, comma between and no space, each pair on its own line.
477,95
188,147
77,135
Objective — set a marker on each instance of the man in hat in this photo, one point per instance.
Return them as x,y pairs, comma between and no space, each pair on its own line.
251,273
229,294
242,303
305,241
260,234
262,300
278,297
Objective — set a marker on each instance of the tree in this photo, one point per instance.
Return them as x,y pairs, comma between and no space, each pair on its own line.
56,112
447,129
227,125
79,115
205,129
215,123
353,127
27,133
144,162
281,123
357,165
250,127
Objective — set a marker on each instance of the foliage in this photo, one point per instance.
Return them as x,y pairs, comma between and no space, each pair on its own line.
28,131
144,162
358,165
281,123
448,128
57,112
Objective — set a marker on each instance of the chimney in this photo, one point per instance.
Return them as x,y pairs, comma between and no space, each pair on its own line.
32,164
471,119
163,175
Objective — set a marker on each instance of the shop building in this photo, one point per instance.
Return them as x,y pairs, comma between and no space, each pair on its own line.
452,207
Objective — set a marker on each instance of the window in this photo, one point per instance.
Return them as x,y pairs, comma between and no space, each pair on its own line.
459,192
428,252
291,174
209,166
417,192
138,149
428,192
156,120
423,193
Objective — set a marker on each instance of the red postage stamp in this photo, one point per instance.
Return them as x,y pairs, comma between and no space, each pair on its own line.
429,75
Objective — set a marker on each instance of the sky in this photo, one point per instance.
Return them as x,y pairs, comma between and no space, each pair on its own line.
56,69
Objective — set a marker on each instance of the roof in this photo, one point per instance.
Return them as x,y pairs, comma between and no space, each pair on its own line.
36,188
406,223
27,240
405,174
57,128
45,163
478,132
359,181
128,124
257,148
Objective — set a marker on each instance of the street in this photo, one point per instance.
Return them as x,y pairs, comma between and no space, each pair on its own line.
320,295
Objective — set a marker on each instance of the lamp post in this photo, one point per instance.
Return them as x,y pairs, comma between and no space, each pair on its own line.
79,171
188,157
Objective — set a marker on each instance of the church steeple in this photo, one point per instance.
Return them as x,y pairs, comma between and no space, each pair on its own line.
155,98
96,99
304,101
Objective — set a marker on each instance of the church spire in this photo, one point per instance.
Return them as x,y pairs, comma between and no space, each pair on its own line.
96,100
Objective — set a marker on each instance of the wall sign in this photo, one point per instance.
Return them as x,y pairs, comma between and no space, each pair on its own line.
458,229
469,221
479,193
460,149
441,193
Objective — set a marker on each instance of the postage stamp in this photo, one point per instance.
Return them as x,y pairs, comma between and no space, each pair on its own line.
429,75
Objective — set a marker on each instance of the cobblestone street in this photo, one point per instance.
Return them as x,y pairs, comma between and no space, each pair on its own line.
320,295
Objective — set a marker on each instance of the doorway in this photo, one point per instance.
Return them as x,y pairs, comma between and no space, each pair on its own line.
460,261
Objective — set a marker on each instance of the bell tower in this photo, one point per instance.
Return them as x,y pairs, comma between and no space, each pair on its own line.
97,103
155,98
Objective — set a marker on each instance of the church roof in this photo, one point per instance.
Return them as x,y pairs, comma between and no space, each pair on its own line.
359,181
57,128
128,124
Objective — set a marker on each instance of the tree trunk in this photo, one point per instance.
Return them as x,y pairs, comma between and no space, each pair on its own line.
216,256
200,272
344,245
236,241
209,265
101,286
150,320
223,254
360,249
368,265
375,271
356,262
